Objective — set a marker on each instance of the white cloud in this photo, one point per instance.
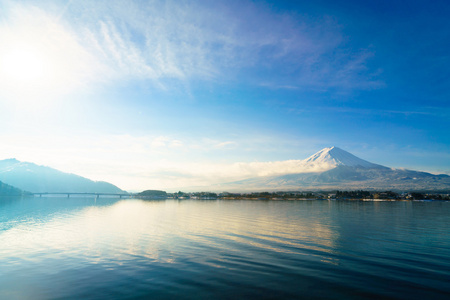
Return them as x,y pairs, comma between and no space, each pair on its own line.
160,41
165,162
226,144
165,142
108,42
141,162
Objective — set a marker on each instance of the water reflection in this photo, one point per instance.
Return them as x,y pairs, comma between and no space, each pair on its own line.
75,246
158,230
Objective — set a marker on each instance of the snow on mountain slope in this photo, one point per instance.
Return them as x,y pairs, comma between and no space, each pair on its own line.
324,160
335,156
334,168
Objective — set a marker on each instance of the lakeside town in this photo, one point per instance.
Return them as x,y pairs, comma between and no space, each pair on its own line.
297,195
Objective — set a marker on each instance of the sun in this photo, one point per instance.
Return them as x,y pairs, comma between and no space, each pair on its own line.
24,65
44,62
27,73
38,71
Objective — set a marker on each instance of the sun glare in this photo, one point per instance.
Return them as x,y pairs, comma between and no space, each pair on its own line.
30,73
25,70
24,66
42,61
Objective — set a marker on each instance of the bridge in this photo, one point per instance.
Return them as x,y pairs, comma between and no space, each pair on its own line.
96,195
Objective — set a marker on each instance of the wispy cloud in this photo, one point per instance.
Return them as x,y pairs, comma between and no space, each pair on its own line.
165,142
138,162
226,144
159,41
172,162
422,111
189,40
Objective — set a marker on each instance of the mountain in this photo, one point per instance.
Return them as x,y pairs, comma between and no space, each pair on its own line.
36,179
8,190
335,156
339,169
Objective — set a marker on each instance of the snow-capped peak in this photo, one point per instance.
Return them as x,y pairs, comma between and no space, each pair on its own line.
335,156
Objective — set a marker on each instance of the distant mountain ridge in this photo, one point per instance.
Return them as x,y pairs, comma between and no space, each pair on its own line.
339,169
8,190
39,179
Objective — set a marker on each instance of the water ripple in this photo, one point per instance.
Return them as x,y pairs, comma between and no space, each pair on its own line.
127,249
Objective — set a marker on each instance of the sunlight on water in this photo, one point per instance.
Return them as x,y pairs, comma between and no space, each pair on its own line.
87,248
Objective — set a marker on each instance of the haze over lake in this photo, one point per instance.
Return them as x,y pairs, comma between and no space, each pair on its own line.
73,248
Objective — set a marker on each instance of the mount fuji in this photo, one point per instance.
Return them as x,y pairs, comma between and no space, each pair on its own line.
335,156
334,168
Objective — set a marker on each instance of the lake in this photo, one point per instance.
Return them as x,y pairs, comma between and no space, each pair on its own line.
86,248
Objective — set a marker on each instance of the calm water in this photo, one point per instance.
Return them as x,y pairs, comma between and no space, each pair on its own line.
59,248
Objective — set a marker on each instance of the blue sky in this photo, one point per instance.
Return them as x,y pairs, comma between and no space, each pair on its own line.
165,94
